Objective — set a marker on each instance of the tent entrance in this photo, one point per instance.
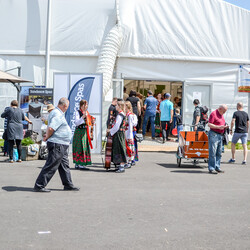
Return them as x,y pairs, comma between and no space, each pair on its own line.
175,88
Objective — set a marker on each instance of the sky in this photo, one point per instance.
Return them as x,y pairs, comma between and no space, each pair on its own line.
241,3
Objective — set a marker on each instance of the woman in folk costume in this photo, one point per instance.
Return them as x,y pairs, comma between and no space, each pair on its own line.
131,122
118,155
82,140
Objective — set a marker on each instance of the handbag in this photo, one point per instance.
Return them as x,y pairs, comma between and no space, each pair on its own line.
139,137
4,136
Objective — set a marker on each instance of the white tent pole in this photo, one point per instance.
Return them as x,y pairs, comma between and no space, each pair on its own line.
47,53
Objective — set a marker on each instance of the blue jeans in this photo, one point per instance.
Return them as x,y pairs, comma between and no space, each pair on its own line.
215,148
152,121
179,128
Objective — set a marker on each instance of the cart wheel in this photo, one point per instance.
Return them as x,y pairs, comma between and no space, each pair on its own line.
179,162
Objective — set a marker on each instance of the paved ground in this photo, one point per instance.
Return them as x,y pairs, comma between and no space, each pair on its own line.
154,205
149,145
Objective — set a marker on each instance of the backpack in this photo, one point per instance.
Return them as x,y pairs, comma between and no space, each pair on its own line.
204,116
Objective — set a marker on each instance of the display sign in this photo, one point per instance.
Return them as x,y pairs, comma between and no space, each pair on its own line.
77,87
244,78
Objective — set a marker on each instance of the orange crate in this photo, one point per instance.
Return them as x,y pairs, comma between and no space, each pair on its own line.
194,144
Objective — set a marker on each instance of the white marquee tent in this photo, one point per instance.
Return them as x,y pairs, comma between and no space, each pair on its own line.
198,42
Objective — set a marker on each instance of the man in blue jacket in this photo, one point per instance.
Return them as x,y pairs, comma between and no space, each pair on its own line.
150,112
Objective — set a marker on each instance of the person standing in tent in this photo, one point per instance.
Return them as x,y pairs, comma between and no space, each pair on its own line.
167,113
197,116
135,102
150,112
82,138
157,117
112,111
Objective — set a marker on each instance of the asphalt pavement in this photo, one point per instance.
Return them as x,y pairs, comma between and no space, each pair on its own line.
154,205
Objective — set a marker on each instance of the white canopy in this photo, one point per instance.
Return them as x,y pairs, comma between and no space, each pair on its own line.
207,30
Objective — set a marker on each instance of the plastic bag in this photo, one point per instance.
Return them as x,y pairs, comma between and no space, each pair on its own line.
15,154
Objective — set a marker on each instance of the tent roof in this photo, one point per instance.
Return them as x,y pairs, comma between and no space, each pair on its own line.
6,77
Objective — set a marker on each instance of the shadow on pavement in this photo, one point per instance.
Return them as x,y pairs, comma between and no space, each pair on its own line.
189,172
24,189
186,166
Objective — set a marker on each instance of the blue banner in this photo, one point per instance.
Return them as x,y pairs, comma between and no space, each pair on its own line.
81,90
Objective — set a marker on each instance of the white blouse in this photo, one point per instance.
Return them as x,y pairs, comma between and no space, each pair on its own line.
130,128
79,120
116,127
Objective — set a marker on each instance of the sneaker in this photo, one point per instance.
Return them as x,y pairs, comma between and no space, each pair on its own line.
219,171
153,138
231,161
163,141
133,163
11,161
244,163
19,160
212,172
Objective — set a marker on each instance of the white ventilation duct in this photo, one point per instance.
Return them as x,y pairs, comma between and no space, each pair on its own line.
108,53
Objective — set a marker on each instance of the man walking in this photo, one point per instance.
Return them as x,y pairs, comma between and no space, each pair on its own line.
167,112
150,107
58,137
217,127
241,121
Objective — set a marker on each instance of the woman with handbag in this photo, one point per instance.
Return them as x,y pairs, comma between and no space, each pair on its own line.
15,116
82,137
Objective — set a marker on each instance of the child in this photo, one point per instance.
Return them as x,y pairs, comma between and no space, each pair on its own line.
118,155
178,122
129,128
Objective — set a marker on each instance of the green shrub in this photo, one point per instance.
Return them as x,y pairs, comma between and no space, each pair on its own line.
1,142
238,146
27,141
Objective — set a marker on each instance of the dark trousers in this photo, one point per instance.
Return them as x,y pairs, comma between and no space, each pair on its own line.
57,159
11,146
165,133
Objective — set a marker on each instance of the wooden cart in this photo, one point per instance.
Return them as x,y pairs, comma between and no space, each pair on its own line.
193,145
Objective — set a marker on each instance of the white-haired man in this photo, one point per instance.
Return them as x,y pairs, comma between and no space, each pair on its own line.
241,121
217,127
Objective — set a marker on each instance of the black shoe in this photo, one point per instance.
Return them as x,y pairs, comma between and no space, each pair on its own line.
42,190
212,172
68,188
219,171
168,139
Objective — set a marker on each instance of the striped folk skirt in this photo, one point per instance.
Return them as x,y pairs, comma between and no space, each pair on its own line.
81,148
130,148
118,154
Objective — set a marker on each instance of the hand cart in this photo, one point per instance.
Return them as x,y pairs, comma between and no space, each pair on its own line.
193,145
